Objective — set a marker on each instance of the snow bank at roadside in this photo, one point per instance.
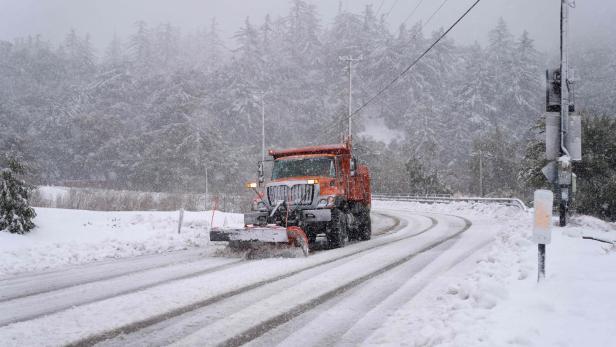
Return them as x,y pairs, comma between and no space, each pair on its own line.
75,237
492,298
473,210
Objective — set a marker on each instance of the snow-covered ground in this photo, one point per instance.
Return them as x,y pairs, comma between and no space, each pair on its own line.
493,298
65,237
477,289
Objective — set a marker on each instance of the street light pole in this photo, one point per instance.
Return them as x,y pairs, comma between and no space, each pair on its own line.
480,153
481,173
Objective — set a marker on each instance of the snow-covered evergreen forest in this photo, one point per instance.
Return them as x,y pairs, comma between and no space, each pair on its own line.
156,108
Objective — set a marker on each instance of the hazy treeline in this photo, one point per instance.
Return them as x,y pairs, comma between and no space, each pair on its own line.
156,108
122,200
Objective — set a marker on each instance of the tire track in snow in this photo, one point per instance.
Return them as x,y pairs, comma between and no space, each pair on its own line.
170,331
139,325
25,285
348,319
21,286
281,318
389,229
58,298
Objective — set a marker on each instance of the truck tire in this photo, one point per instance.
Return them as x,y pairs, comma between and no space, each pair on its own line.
365,228
338,235
312,238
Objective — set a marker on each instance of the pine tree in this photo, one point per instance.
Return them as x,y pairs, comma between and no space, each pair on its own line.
494,151
214,47
302,36
527,84
15,212
114,118
165,46
597,171
500,63
596,182
593,61
114,55
529,174
79,53
423,180
141,46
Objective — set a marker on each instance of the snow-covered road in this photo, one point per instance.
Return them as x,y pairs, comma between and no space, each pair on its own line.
194,298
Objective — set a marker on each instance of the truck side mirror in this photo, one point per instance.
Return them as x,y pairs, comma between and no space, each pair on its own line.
260,172
353,167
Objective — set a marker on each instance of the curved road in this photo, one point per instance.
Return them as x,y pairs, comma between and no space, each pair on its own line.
335,297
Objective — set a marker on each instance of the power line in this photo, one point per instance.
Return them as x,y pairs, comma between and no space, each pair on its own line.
336,123
434,13
412,12
333,125
391,9
423,25
378,10
408,68
384,104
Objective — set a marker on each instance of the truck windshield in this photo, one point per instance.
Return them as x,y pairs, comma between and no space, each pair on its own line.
320,166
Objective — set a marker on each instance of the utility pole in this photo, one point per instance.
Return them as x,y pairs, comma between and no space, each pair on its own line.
262,126
260,179
349,59
206,189
563,130
261,94
564,110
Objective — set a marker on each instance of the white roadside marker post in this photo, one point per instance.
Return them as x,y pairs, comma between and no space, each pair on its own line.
542,230
181,219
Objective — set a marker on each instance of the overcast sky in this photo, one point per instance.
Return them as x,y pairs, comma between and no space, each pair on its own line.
591,19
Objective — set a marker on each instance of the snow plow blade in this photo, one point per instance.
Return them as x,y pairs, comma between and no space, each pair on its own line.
252,237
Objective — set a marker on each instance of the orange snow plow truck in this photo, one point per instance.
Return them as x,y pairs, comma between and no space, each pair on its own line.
313,190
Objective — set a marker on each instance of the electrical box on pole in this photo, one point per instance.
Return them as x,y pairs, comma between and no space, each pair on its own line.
572,131
553,91
552,135
573,137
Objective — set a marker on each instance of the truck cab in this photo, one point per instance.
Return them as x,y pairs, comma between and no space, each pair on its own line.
321,189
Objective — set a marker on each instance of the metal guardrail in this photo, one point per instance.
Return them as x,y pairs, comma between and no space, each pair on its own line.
442,198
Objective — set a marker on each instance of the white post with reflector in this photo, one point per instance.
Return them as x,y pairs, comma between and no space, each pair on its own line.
542,229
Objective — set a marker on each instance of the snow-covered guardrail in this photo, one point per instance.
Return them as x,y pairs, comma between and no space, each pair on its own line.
448,198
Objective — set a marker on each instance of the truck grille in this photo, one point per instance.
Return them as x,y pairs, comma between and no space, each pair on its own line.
298,194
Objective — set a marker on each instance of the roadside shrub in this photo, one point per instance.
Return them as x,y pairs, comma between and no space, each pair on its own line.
16,215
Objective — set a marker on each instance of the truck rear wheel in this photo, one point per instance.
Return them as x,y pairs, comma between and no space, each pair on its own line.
365,229
338,235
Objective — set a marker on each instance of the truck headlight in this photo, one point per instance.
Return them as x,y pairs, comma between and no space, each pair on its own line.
327,202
